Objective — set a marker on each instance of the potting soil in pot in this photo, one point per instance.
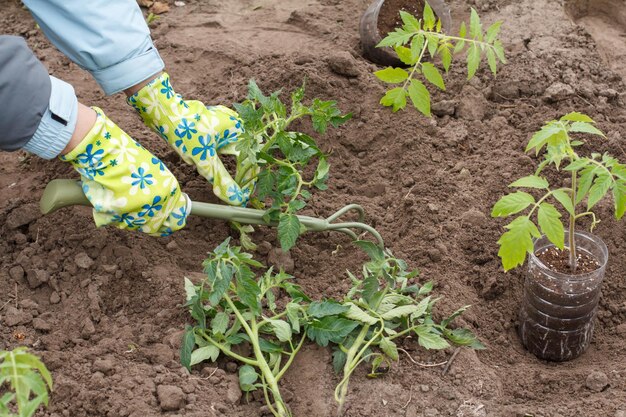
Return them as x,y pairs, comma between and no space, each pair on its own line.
389,16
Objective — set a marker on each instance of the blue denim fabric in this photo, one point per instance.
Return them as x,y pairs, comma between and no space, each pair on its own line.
108,38
57,123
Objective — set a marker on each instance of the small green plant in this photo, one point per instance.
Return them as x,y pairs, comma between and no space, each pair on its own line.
152,18
231,307
591,178
28,382
283,156
416,37
378,309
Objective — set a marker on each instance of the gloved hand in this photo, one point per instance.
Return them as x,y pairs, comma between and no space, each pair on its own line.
127,186
198,134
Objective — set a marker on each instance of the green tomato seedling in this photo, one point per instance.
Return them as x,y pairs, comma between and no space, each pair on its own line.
283,156
28,381
416,37
233,306
378,309
591,178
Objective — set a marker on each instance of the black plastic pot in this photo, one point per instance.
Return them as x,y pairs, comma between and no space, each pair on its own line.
370,35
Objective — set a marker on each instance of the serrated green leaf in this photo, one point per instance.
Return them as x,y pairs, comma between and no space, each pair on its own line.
398,37
395,98
186,347
356,313
432,74
392,75
247,378
619,198
319,309
446,56
497,46
288,230
531,181
389,348
584,127
432,44
401,311
565,200
549,220
476,30
517,242
247,289
492,32
599,189
405,55
430,340
370,289
322,169
585,180
473,60
492,61
190,289
463,337
462,30
540,138
417,44
420,97
512,203
577,117
219,324
339,360
204,353
293,310
410,22
282,330
330,329
373,250
429,17
577,164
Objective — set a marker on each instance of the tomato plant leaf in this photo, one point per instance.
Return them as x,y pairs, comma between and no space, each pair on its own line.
330,329
419,96
517,242
512,203
549,220
531,181
432,75
565,200
395,98
319,309
288,230
389,348
392,75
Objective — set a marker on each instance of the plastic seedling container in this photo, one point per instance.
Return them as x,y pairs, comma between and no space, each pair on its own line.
558,311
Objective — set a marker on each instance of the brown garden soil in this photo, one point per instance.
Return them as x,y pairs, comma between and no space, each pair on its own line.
103,307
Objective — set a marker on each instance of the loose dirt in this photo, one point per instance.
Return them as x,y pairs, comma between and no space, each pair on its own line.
103,307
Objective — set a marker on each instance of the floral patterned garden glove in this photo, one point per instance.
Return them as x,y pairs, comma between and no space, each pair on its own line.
197,133
127,186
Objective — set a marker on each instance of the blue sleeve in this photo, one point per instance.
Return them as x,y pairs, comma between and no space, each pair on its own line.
108,38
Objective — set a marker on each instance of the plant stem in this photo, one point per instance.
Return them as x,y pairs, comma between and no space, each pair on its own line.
342,388
292,355
572,227
227,351
417,64
272,382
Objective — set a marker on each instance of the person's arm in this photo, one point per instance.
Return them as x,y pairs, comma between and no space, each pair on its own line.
108,38
128,186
